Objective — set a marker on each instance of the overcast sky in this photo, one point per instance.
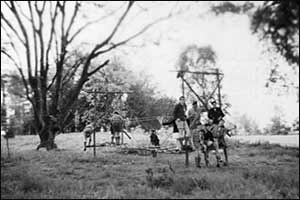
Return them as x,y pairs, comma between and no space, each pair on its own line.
239,56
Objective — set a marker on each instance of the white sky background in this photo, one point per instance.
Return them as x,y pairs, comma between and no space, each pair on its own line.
239,56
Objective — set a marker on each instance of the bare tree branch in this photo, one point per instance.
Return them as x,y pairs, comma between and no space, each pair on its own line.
56,46
72,70
91,23
40,35
34,29
28,53
22,13
12,28
98,68
12,45
98,46
72,18
52,81
134,36
52,32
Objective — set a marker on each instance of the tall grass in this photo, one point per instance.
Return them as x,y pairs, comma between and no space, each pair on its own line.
259,170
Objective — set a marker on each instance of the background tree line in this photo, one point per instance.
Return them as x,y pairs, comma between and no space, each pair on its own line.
144,101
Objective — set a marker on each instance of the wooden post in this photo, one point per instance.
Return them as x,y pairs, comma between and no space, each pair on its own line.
122,137
8,154
219,88
94,125
185,136
182,86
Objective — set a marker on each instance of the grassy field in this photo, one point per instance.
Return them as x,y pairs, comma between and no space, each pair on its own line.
283,140
258,170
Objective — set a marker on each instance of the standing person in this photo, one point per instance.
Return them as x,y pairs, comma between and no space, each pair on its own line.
181,123
194,122
117,123
194,116
87,134
216,115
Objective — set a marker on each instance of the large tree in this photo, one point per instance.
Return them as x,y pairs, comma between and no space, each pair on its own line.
40,41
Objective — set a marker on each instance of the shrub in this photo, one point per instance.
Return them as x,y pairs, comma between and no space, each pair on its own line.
277,127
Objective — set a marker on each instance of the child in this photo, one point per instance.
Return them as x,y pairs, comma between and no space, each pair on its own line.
153,138
87,133
117,124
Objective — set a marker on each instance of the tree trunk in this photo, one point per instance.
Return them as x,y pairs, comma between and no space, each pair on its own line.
47,136
47,141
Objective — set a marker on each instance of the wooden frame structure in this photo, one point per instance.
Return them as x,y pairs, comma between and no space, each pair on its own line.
214,72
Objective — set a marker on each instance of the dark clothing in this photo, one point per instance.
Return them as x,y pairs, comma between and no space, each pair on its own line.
179,112
215,114
207,134
154,139
172,121
117,123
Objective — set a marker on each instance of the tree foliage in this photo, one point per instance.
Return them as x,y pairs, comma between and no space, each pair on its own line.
98,107
202,86
248,125
277,127
279,22
228,7
14,86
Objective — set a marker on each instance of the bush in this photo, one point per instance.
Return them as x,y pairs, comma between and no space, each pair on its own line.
248,125
277,127
295,126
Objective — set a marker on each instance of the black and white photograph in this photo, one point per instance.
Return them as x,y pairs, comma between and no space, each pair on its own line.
150,99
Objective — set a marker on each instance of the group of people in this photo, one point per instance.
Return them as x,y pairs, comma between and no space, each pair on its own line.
197,135
189,131
117,124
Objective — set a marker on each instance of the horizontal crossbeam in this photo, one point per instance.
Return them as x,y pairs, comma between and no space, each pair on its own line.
198,72
104,92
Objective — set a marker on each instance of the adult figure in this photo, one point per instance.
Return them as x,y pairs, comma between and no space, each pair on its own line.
194,122
181,123
216,115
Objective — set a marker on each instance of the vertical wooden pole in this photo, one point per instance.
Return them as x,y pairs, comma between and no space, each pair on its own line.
4,121
94,125
8,154
122,137
203,91
219,88
185,136
182,86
